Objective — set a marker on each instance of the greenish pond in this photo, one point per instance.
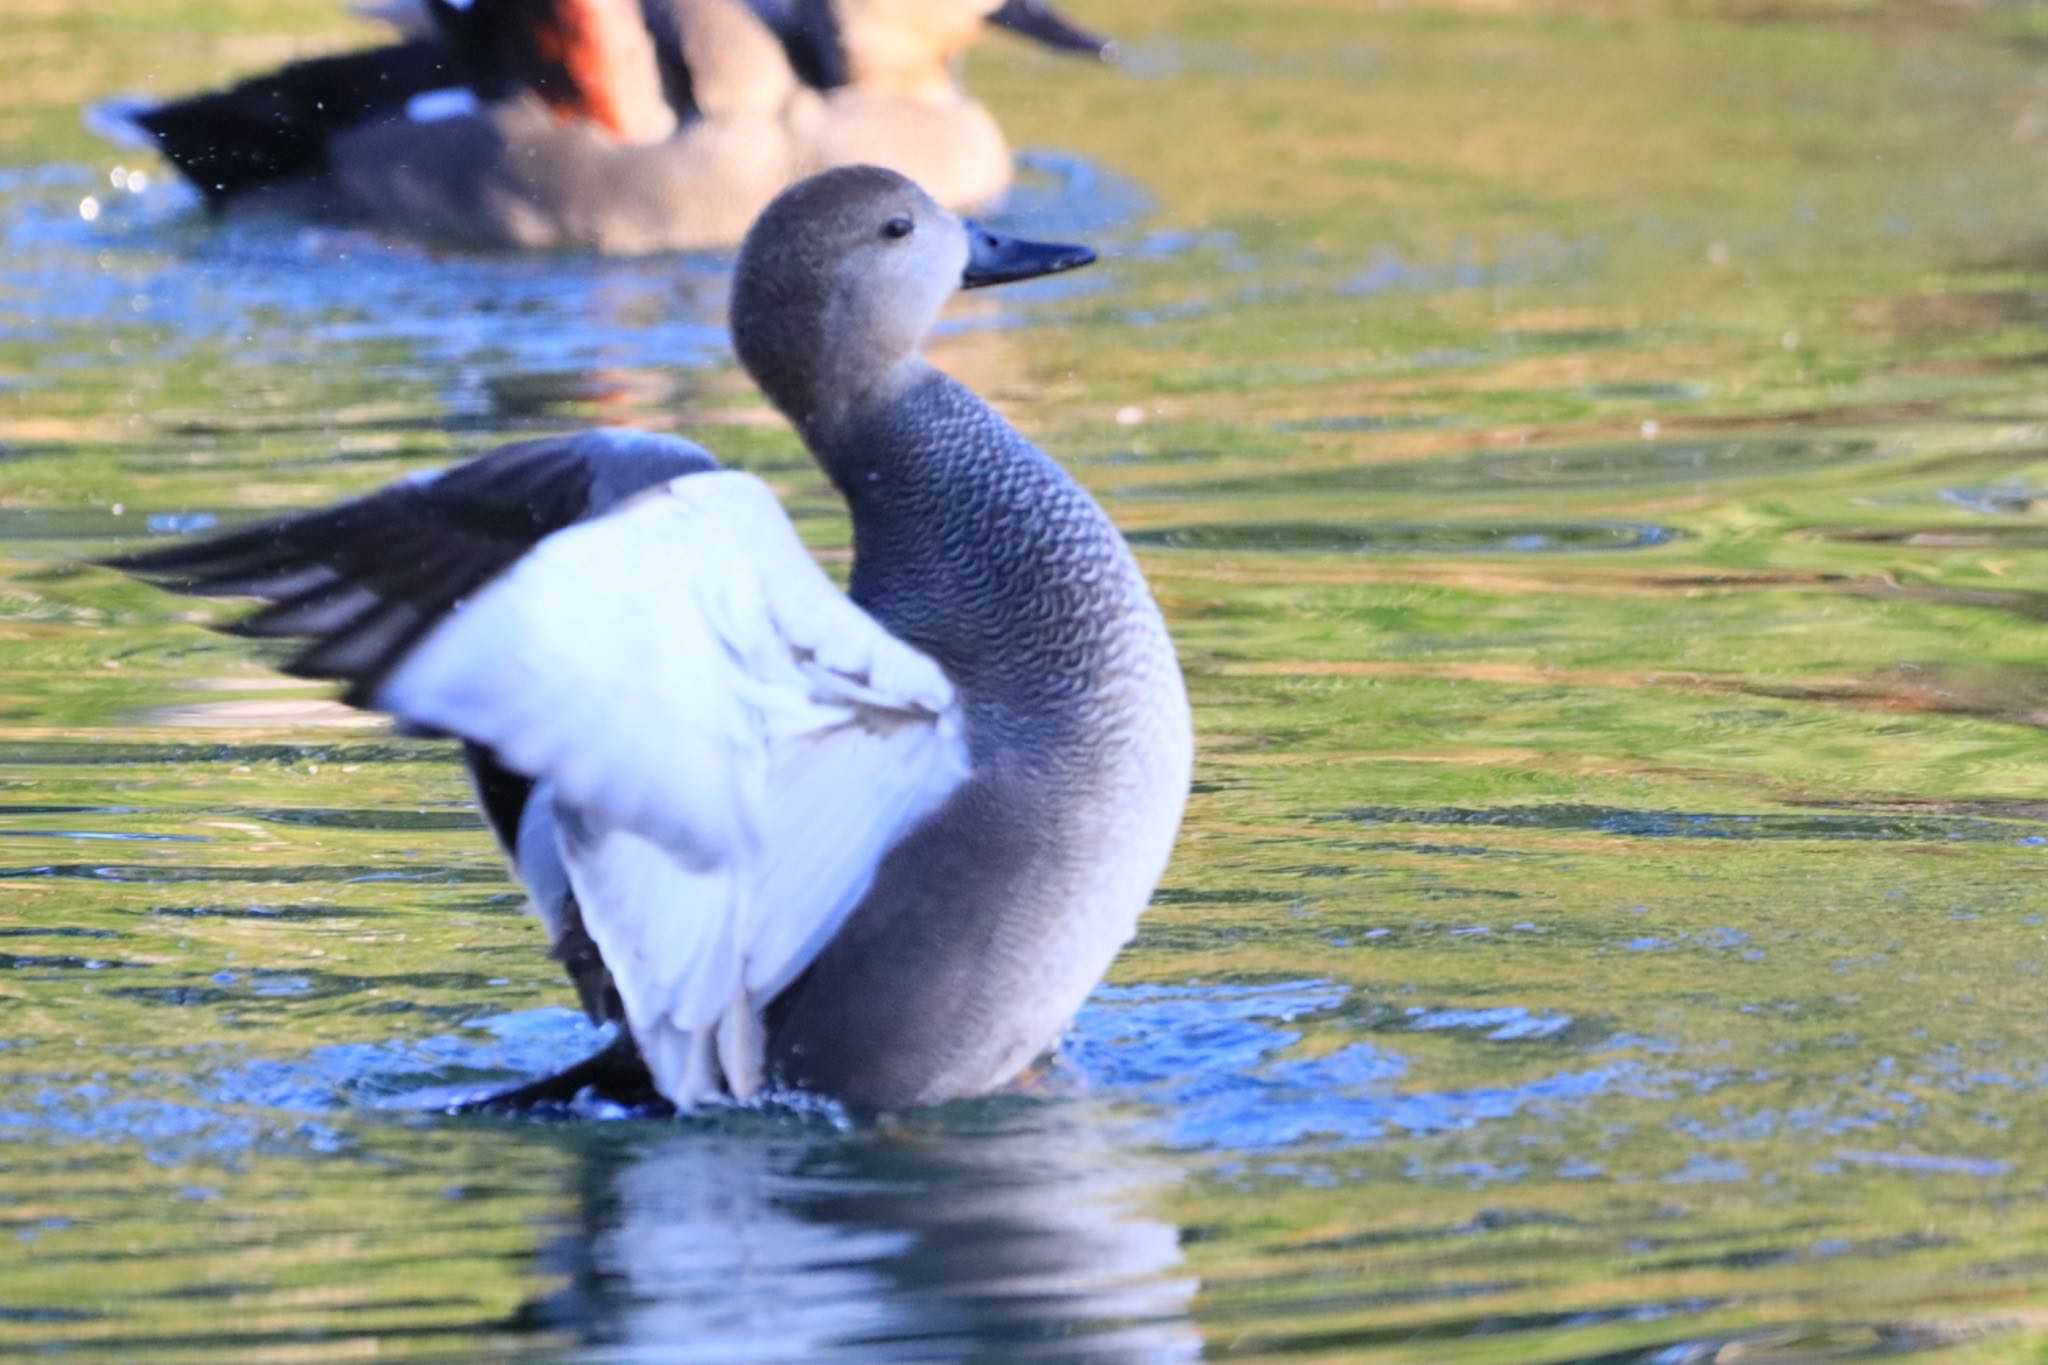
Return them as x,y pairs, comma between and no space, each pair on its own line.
1595,458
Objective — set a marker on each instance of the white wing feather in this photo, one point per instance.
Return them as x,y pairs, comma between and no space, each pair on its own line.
732,747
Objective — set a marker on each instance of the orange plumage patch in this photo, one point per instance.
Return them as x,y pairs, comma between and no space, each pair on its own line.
573,40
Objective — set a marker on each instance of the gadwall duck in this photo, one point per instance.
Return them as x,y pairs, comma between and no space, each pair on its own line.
611,125
876,845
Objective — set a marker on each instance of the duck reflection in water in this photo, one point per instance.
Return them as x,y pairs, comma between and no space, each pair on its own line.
958,1245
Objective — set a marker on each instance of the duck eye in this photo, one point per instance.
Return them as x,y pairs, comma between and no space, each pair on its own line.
897,227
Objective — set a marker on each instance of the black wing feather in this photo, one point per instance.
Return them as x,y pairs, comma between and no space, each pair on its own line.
364,581
329,606
254,562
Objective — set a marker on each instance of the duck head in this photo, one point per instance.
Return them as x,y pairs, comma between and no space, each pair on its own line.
908,47
842,276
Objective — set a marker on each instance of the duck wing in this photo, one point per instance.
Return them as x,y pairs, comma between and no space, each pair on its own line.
365,580
731,747
722,746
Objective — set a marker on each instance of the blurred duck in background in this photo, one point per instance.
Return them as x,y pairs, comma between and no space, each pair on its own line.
610,125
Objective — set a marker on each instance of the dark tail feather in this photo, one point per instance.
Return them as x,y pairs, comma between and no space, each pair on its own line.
277,126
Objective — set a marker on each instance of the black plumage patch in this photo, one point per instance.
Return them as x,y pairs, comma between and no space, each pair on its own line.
810,38
502,793
277,126
363,582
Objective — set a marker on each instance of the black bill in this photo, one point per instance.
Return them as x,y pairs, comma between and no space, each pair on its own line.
993,258
1040,22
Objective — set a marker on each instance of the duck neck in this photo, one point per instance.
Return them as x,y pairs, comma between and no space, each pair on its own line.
977,548
841,393
903,55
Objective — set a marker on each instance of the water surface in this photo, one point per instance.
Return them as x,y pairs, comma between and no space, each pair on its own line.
1594,460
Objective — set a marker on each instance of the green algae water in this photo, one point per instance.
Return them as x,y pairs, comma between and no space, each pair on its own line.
1595,461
